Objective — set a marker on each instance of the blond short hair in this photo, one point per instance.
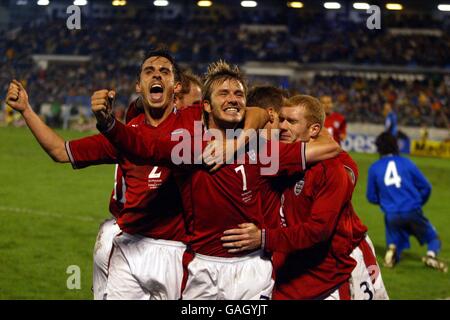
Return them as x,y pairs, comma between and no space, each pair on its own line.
315,113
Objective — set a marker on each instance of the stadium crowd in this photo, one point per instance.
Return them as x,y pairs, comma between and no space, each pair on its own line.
309,40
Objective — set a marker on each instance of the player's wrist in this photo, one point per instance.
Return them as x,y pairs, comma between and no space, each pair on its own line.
106,125
27,111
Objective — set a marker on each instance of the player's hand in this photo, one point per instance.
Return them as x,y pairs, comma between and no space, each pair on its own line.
17,97
247,237
218,152
102,104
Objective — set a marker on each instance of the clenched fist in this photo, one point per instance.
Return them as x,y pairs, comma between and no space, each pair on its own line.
101,105
17,97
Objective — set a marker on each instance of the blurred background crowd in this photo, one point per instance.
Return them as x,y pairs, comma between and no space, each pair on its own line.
115,49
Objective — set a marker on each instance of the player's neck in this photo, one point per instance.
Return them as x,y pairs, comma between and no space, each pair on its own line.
155,116
221,126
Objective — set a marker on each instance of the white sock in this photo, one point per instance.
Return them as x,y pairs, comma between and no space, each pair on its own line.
431,254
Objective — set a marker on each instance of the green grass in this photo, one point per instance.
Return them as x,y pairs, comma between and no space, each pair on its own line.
50,213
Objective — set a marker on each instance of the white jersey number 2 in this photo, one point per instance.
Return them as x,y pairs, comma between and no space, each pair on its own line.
391,176
244,177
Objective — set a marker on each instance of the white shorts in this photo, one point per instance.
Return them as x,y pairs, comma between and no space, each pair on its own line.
102,253
241,278
143,268
341,293
366,282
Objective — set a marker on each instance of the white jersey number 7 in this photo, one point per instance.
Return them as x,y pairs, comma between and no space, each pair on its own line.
244,177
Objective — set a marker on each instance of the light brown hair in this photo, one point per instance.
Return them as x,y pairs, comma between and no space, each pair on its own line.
219,72
315,112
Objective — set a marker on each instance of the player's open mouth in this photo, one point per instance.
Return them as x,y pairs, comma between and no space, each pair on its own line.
156,92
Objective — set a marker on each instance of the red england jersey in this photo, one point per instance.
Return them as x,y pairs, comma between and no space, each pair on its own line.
359,229
118,194
336,125
312,252
214,202
153,204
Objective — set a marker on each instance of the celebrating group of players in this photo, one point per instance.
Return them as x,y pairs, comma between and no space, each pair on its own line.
199,219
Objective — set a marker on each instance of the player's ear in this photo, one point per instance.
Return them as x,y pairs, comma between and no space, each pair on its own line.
270,111
138,87
206,106
177,88
314,130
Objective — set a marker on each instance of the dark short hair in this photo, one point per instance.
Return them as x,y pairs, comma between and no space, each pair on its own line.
266,97
386,144
164,53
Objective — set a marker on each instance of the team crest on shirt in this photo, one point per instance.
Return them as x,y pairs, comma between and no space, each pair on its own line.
299,187
336,124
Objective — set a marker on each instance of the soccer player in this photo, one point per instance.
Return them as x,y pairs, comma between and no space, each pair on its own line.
321,236
398,186
216,202
191,91
334,121
151,219
390,123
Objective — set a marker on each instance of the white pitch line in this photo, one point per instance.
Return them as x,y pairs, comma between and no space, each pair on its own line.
45,213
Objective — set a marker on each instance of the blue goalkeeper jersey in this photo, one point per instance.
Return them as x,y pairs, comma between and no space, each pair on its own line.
397,185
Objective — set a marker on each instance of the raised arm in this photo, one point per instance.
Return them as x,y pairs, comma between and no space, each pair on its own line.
138,143
50,141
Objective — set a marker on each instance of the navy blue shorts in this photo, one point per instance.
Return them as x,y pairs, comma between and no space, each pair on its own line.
400,226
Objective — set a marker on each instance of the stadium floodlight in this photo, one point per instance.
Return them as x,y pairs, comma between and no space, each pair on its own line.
332,5
444,7
394,6
119,3
249,4
43,2
361,6
295,4
204,3
80,2
160,3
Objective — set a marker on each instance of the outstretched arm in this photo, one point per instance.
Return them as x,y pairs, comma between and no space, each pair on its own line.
322,148
50,141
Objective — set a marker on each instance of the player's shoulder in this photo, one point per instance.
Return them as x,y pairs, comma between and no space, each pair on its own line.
194,111
349,164
326,167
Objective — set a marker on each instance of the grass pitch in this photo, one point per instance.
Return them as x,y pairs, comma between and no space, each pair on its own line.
50,214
